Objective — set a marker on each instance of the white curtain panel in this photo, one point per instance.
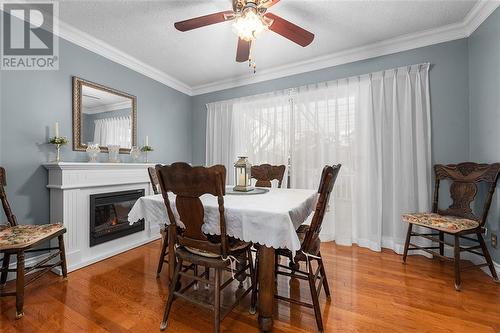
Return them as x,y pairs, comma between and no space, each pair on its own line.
377,126
256,128
113,131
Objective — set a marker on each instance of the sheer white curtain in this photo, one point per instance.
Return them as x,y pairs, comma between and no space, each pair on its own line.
254,127
113,131
377,126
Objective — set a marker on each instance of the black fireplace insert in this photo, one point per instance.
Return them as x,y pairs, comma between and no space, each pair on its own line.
109,215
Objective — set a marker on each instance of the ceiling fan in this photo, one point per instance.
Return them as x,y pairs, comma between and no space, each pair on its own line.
250,18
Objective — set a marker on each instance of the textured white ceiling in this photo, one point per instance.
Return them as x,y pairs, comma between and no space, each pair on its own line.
144,30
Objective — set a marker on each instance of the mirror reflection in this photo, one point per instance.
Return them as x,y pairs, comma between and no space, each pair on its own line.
106,118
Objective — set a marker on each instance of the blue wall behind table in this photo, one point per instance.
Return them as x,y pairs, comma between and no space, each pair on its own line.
484,83
33,100
448,89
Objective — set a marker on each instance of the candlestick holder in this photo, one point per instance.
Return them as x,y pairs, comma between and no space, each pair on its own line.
145,150
58,153
58,141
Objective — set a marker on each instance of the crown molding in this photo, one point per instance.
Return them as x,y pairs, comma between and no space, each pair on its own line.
96,45
478,14
464,29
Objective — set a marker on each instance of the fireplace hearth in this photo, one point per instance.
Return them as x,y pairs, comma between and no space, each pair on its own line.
109,215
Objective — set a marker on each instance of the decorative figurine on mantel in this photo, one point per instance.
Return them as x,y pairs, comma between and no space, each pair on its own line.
146,148
58,141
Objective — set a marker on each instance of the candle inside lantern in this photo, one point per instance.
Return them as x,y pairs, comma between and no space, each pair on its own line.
56,129
147,141
242,181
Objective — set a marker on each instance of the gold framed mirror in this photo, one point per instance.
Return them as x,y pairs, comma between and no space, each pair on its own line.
103,116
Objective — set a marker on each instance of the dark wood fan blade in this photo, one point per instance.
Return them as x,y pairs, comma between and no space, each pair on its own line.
243,51
289,30
269,3
202,21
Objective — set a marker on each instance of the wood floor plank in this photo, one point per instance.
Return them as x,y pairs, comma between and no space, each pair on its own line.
371,292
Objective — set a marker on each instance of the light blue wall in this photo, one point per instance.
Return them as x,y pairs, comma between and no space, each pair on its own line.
448,85
484,83
33,100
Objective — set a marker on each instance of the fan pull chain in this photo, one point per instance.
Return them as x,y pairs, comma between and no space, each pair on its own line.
252,63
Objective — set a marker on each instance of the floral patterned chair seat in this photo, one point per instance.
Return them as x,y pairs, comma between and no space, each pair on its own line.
21,236
447,223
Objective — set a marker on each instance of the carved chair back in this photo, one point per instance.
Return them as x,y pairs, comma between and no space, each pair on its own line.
11,218
465,178
265,173
154,180
328,178
189,184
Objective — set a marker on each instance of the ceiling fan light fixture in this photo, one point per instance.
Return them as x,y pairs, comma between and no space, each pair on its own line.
250,24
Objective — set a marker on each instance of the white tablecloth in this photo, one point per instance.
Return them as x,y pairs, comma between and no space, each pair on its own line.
268,219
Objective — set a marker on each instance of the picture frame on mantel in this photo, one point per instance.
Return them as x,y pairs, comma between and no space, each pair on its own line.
93,100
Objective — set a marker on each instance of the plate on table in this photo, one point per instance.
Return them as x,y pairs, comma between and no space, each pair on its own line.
256,190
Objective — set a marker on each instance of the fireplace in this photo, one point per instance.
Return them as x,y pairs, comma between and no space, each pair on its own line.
109,215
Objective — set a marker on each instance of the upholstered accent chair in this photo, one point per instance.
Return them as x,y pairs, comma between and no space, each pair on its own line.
459,221
309,252
266,173
215,252
17,240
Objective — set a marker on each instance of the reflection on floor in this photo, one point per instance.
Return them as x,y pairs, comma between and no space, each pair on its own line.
371,292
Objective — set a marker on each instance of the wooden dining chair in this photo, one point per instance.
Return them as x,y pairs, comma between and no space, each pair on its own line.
153,178
266,173
218,252
310,249
17,240
458,220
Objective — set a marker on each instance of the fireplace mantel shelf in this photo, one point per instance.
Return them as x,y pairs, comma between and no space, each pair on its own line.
72,183
94,166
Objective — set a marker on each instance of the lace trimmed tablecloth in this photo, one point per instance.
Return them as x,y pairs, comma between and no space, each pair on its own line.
268,219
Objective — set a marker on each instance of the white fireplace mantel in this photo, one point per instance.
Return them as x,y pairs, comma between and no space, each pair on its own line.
71,184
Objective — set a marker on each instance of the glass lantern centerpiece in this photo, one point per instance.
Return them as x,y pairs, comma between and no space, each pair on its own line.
242,172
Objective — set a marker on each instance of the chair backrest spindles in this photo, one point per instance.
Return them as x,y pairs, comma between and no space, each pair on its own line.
189,184
265,173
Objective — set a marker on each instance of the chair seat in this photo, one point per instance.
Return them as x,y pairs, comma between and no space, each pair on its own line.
446,223
23,236
236,247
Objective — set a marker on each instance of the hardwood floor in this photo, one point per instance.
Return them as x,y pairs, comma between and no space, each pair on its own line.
371,292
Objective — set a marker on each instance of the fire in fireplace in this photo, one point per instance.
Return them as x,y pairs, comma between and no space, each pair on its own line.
109,215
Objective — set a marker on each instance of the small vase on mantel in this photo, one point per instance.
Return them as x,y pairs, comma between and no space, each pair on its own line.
93,151
135,153
114,153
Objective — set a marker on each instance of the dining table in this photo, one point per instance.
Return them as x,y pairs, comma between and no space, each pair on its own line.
269,218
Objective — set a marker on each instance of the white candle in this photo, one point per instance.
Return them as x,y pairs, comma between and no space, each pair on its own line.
147,141
56,126
242,179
